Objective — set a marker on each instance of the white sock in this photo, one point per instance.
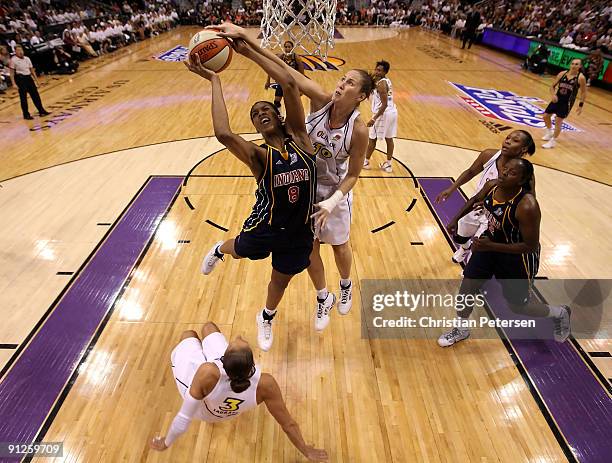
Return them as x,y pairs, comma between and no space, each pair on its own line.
345,283
322,294
467,245
269,312
554,311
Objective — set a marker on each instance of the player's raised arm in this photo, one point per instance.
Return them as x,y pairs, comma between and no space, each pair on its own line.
244,150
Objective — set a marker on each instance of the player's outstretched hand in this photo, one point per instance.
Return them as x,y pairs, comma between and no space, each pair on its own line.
195,66
230,30
315,454
158,443
443,196
241,46
326,207
320,217
452,228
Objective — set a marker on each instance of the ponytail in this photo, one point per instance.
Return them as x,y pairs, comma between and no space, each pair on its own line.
239,384
239,367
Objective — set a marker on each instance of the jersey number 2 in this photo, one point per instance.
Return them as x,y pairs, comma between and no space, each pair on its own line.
231,405
294,194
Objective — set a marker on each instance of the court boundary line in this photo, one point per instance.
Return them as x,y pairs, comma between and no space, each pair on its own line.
251,133
26,341
63,395
552,424
61,398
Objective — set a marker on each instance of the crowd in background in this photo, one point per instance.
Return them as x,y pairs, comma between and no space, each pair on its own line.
56,35
76,30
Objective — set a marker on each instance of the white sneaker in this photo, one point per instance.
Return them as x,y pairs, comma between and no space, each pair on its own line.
264,332
211,259
550,144
461,254
346,299
452,337
366,165
322,314
386,166
548,134
562,325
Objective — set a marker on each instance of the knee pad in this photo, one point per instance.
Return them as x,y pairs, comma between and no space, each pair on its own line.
461,239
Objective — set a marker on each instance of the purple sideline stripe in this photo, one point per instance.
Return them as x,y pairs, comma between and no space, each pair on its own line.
578,403
33,384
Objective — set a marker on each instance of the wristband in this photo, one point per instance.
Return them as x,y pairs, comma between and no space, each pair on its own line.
330,203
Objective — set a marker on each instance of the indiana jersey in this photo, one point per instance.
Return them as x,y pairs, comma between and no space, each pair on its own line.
285,191
504,226
222,403
489,171
376,101
332,145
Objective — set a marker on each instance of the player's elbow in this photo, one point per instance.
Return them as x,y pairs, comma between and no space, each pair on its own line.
289,83
224,137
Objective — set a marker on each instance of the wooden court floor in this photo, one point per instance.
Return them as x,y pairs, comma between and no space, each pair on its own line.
119,122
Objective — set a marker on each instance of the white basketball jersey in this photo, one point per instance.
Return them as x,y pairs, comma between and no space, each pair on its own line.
489,171
331,145
223,404
377,103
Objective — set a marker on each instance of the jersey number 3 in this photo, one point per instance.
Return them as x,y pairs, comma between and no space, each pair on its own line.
294,193
231,405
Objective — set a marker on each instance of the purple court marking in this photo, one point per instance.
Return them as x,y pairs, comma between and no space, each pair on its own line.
578,403
33,384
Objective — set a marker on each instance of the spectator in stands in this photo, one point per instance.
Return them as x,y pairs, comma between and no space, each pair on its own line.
595,65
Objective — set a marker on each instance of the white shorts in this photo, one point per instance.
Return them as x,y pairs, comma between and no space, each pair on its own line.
190,353
338,226
385,126
472,224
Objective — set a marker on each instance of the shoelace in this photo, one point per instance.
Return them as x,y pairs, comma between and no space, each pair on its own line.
267,328
321,309
344,294
557,325
452,334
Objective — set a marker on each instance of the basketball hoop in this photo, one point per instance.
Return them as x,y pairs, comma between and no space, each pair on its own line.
307,23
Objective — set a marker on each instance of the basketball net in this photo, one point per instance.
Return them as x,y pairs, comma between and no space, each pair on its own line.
309,24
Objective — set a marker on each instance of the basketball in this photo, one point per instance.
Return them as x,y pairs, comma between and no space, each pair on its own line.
214,51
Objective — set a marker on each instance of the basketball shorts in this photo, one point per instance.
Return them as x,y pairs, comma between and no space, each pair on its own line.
337,229
560,109
385,126
290,249
190,353
472,224
514,272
